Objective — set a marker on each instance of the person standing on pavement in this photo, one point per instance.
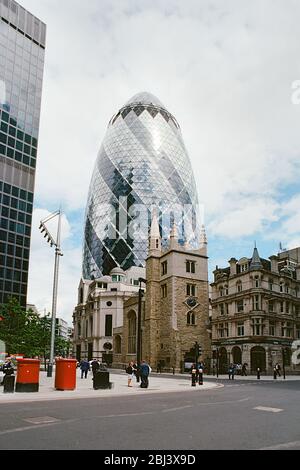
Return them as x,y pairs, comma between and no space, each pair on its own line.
194,375
84,367
136,371
231,372
278,369
145,371
95,366
130,373
7,369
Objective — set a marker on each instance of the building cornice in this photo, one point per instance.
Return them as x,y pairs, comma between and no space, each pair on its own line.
183,252
255,291
240,340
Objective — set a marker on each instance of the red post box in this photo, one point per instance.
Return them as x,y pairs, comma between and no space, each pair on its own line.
28,373
65,374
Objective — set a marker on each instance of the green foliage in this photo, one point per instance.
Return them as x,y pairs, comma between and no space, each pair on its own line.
12,325
26,332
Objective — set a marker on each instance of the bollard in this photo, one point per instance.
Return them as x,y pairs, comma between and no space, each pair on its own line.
200,381
275,373
258,373
194,375
9,384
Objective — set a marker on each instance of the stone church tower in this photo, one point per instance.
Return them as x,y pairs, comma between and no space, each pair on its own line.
176,303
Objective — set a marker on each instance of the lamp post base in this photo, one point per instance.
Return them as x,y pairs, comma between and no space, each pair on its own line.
49,370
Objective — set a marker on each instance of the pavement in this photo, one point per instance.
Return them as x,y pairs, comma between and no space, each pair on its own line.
254,377
158,383
164,383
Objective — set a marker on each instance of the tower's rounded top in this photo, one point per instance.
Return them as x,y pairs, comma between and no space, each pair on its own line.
144,98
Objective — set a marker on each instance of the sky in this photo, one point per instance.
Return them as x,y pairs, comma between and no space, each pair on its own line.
228,70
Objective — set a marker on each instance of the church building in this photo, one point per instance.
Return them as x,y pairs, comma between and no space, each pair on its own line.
174,310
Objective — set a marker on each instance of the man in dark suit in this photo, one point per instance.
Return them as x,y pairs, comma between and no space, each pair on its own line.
145,371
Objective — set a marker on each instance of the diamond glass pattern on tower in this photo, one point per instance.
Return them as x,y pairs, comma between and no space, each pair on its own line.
142,163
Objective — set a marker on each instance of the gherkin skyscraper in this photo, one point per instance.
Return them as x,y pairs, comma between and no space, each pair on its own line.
142,164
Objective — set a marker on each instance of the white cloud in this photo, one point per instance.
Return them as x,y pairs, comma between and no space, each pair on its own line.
225,72
245,217
42,268
289,229
224,69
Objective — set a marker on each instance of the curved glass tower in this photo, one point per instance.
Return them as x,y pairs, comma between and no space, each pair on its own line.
142,164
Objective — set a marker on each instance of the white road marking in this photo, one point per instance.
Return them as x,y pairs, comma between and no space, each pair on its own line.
41,420
266,408
126,414
26,428
213,403
175,409
287,445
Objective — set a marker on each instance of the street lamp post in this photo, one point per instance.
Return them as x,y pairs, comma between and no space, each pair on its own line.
139,342
198,351
58,253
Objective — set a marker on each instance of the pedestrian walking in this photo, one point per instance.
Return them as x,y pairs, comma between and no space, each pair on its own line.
231,372
145,370
84,367
130,373
244,369
278,369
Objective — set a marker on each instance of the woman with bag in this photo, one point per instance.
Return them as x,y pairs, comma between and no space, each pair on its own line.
130,373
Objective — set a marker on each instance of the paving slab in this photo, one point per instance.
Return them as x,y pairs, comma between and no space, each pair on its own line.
84,388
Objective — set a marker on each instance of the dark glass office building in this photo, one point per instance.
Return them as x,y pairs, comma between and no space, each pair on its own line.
22,50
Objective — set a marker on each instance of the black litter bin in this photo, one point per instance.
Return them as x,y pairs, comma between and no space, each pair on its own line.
101,380
9,384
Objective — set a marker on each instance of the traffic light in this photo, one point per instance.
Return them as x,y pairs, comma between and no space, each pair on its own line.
198,349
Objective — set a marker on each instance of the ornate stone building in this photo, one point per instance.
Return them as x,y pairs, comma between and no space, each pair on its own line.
176,306
256,312
100,309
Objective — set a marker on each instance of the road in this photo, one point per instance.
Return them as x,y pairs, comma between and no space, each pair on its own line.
241,415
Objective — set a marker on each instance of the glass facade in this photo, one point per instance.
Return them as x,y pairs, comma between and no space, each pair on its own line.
142,163
22,49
